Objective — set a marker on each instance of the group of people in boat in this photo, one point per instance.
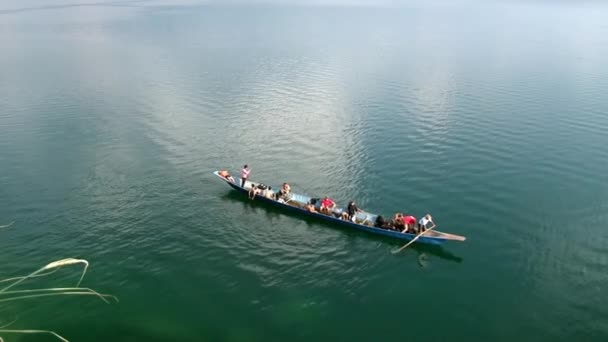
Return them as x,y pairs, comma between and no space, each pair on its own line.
327,206
400,222
405,223
264,190
261,190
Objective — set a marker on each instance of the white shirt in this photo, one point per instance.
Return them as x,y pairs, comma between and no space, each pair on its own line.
424,221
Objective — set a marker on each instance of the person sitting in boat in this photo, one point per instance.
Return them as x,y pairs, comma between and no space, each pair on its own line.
398,221
310,207
410,224
269,193
352,210
380,222
423,224
343,215
226,175
327,205
283,192
256,190
263,187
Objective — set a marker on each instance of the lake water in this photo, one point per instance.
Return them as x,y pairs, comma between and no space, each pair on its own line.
492,116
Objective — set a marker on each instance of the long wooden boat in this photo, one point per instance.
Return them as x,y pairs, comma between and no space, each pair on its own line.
364,221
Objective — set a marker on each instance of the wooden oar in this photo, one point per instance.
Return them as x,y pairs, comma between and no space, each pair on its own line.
412,241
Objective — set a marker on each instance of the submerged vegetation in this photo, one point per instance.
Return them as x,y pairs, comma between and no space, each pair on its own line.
8,292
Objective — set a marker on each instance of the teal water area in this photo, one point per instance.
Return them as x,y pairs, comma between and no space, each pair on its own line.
492,116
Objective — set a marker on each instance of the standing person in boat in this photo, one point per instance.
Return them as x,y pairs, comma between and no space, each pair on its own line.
352,210
244,175
424,222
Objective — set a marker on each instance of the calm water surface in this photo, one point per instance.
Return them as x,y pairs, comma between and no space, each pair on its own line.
490,115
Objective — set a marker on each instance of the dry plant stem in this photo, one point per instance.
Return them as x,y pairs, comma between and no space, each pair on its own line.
54,264
6,295
34,332
55,292
7,225
38,275
7,324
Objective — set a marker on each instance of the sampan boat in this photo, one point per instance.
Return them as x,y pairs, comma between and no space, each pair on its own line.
363,220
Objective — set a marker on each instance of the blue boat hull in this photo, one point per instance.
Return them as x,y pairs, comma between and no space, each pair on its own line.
378,231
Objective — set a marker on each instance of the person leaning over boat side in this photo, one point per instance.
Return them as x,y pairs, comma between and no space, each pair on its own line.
244,175
422,224
410,224
255,190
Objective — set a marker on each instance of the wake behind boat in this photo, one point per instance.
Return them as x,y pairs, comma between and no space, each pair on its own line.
361,220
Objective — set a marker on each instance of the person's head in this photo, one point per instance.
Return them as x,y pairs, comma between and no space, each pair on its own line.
269,188
245,166
351,203
429,217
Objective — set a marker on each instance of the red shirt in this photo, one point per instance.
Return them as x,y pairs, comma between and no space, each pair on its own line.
409,220
327,202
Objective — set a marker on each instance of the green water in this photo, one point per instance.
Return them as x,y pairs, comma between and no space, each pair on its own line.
490,115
